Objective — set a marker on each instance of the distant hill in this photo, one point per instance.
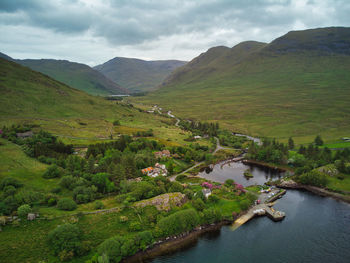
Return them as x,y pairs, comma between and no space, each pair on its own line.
76,75
2,55
25,93
138,75
298,85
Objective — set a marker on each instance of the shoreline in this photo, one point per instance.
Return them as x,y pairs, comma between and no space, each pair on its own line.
173,244
290,184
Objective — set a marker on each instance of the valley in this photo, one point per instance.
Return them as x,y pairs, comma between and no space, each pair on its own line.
188,157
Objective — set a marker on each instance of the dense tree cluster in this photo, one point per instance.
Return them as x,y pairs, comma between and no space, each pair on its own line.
200,128
270,151
228,139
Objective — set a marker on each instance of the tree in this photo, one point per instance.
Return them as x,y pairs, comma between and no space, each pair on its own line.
318,140
65,238
23,211
291,143
198,204
66,204
53,171
178,222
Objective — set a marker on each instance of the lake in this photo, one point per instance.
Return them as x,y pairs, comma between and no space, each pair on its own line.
234,170
315,229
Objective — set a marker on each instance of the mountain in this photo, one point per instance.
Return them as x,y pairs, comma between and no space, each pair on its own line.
76,75
25,93
2,55
138,75
298,85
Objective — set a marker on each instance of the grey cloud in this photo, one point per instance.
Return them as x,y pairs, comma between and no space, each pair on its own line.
164,28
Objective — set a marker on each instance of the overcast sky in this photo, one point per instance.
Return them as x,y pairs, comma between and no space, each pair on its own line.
94,31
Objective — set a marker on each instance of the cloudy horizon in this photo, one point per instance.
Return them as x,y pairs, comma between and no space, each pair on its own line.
93,32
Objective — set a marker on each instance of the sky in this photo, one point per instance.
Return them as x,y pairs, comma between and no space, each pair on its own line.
94,31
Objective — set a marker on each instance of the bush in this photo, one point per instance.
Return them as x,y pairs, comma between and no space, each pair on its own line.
9,181
66,204
23,211
82,194
180,177
53,171
198,204
65,239
175,187
68,182
135,226
314,177
116,123
213,198
178,222
211,215
99,205
188,193
9,190
112,248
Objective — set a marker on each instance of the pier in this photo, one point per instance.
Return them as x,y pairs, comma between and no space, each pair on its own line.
265,208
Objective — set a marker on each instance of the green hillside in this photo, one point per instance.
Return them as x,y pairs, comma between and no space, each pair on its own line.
138,75
298,85
76,75
29,97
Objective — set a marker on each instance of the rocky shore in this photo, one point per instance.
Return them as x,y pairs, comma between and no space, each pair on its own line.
290,184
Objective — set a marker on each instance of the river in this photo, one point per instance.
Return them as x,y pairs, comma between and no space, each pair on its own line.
316,229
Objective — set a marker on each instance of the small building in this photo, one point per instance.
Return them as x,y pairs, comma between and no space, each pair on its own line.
206,192
197,137
24,135
147,170
158,169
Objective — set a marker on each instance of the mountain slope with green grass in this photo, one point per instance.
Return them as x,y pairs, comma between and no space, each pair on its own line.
138,75
28,97
76,75
298,85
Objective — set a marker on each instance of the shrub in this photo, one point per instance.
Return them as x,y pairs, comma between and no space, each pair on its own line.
112,248
188,193
229,182
198,204
211,215
178,222
176,187
213,198
83,194
65,238
53,171
68,182
314,177
116,123
9,181
135,226
99,205
180,177
66,204
23,211
9,190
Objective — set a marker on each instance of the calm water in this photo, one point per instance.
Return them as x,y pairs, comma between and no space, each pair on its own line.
315,229
235,170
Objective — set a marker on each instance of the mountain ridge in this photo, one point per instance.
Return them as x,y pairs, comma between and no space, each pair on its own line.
138,75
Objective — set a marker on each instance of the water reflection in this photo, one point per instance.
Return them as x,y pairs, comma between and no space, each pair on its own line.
234,170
